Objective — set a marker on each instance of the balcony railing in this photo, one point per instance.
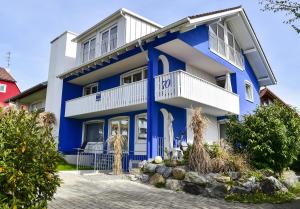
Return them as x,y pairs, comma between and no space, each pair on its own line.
115,98
181,88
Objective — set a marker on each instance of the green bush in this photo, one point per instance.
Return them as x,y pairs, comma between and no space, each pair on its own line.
28,159
270,136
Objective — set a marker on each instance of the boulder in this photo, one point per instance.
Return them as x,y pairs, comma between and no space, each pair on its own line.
240,190
164,170
158,160
157,179
149,168
195,178
174,184
289,179
234,175
251,185
178,173
218,190
142,163
223,179
132,177
194,189
144,178
270,185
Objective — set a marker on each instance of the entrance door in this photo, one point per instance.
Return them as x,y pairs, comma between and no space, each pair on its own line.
93,135
120,125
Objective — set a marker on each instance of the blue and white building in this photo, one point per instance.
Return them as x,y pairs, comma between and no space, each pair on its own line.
130,74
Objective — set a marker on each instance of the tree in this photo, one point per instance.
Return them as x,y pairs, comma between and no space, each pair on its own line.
290,8
270,136
28,159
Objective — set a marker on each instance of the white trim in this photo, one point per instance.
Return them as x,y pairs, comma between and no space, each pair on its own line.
136,129
118,118
90,85
4,87
251,88
132,72
165,61
89,122
107,29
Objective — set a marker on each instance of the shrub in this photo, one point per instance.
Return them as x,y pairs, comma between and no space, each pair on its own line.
28,159
271,136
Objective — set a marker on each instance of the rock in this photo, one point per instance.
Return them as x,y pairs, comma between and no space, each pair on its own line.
157,179
218,190
149,168
195,178
142,164
158,159
240,190
135,171
270,185
144,178
194,189
251,184
132,177
174,184
178,173
289,179
164,170
234,175
223,179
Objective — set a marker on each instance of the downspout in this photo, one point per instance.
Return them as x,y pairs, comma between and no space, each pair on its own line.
142,49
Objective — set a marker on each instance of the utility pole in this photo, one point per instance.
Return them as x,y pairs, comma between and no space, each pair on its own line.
8,57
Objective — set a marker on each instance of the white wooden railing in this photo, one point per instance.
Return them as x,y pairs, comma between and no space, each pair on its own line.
180,84
122,96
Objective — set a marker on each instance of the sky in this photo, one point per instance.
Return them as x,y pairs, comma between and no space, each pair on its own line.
27,27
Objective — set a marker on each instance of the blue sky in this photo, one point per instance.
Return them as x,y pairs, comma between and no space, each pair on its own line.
27,27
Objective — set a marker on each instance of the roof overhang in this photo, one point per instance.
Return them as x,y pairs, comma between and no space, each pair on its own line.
237,19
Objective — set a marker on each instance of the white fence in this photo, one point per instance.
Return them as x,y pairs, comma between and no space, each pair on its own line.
122,96
183,85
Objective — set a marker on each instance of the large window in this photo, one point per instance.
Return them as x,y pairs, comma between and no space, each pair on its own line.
134,75
89,50
93,131
223,42
120,125
3,88
90,89
141,127
249,91
109,39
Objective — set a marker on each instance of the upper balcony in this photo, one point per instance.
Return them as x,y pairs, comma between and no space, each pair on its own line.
185,90
125,98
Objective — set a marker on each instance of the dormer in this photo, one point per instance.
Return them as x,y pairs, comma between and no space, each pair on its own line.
120,28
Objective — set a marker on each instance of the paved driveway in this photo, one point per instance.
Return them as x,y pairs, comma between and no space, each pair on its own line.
111,192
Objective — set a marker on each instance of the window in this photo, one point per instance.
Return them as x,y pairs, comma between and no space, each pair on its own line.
221,81
90,89
3,88
222,130
89,50
109,39
93,132
38,106
134,75
249,91
141,127
223,42
120,125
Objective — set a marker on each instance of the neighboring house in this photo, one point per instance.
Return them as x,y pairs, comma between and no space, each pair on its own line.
32,99
8,86
130,75
267,97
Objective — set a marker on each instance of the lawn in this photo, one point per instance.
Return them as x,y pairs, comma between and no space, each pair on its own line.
63,166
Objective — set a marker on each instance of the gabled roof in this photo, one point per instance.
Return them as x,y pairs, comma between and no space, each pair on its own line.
27,92
244,29
112,17
267,93
5,76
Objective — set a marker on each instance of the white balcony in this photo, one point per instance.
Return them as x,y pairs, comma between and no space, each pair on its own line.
185,90
124,98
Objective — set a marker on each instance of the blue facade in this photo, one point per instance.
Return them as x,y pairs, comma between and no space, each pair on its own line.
71,129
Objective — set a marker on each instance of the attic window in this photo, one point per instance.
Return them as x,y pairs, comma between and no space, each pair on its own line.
89,50
3,88
109,39
223,43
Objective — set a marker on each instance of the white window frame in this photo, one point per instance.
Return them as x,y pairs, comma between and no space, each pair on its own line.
89,122
109,130
226,56
108,44
42,106
4,88
90,85
251,99
89,49
131,73
137,128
